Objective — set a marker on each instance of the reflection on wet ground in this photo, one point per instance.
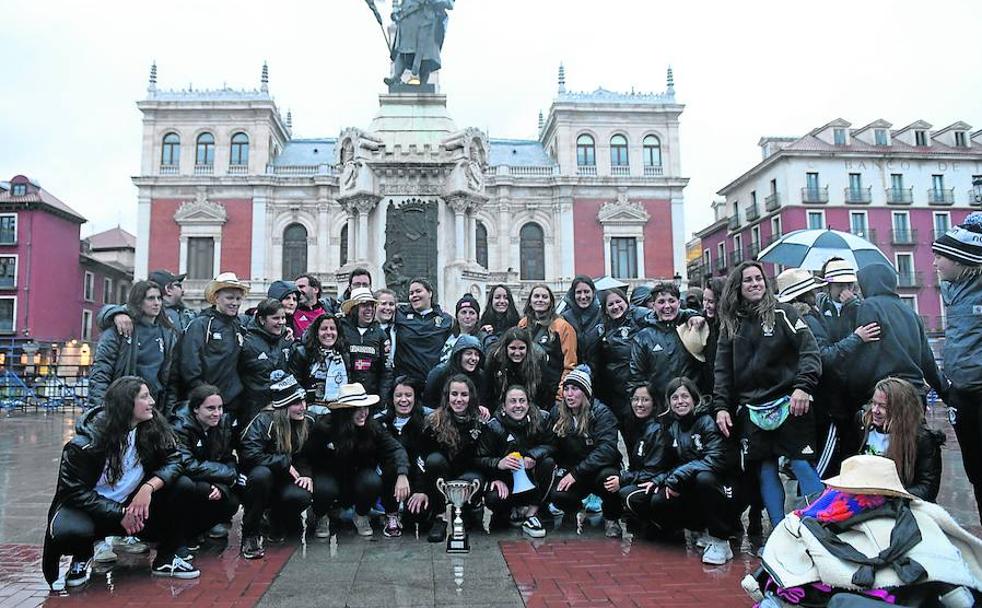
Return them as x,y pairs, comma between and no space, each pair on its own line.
503,569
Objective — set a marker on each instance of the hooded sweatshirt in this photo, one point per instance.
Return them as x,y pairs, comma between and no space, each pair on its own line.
441,373
587,322
902,350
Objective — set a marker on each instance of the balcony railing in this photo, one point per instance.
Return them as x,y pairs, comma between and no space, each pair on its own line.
525,170
974,198
588,170
736,255
238,169
733,223
909,279
900,196
940,233
818,196
774,238
169,169
653,170
323,169
620,170
754,250
720,264
204,169
906,236
868,234
752,212
941,196
859,196
772,202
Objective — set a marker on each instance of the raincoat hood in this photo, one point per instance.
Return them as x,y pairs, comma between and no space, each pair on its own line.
877,280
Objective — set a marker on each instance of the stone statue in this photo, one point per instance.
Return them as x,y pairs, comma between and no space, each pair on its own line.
394,277
420,28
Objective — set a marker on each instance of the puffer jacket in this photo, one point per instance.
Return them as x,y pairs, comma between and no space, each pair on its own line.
692,445
374,447
645,454
963,334
410,437
148,353
760,364
658,355
438,377
465,456
902,350
502,435
209,353
614,387
927,466
302,366
585,457
366,357
587,323
558,344
261,354
258,446
419,340
206,453
180,316
500,377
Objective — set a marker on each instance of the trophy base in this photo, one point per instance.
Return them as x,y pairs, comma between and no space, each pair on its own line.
458,545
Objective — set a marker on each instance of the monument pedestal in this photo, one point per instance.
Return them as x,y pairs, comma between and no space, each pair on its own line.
462,277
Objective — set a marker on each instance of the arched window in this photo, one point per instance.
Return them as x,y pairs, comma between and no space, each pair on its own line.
170,151
294,250
586,151
205,152
481,244
618,151
532,252
344,245
240,152
652,151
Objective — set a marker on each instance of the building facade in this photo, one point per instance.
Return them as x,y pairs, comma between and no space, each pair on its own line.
224,186
898,188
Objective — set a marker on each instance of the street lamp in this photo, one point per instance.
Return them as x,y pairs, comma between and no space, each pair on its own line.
977,189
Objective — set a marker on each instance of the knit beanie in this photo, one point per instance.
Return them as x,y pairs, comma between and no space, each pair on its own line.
284,389
580,376
963,243
468,301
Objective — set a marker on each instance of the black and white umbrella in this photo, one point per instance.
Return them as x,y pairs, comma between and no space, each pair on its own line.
810,249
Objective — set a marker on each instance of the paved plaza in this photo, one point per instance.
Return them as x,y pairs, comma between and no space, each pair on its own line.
502,570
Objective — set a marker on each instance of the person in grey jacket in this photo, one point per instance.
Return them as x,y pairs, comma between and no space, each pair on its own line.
147,352
172,290
958,259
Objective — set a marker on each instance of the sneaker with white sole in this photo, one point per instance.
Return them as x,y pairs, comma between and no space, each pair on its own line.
700,539
104,553
533,528
252,547
612,528
363,525
554,510
128,544
717,552
78,573
592,504
323,528
393,526
174,567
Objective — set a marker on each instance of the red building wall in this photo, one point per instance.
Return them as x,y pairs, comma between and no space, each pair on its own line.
165,236
51,307
588,241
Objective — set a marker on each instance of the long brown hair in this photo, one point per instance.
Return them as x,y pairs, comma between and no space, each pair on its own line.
535,416
152,436
905,417
442,418
530,369
567,422
549,316
283,431
134,302
732,308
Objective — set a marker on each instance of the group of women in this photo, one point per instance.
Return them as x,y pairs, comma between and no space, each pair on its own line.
368,408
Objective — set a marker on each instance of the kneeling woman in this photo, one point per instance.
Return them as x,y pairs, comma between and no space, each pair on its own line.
355,462
276,466
586,449
116,478
450,441
204,438
518,439
689,487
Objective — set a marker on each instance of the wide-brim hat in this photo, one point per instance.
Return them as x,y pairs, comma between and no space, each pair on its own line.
225,280
866,474
795,281
353,395
839,271
694,339
358,296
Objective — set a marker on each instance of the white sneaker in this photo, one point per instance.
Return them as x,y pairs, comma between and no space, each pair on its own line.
128,544
701,539
533,528
717,552
612,528
104,553
323,529
363,525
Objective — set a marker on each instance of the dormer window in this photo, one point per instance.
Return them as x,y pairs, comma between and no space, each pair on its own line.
920,138
839,136
880,137
18,190
960,139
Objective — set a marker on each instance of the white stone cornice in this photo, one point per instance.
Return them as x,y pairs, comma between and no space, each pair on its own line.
201,211
623,211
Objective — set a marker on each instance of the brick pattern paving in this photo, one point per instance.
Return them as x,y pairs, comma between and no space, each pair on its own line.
600,572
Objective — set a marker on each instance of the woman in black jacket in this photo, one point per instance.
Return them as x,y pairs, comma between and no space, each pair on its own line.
582,312
266,348
116,478
274,459
893,426
365,341
517,440
644,448
347,446
500,314
320,364
467,358
204,438
642,413
405,420
515,359
622,322
586,449
421,331
690,486
450,441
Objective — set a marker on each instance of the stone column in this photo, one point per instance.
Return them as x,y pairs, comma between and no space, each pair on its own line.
258,245
459,206
472,236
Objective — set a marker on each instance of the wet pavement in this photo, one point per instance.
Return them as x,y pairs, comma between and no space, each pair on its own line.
503,569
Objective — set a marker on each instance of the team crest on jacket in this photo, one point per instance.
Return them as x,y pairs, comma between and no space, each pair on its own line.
475,433
438,321
625,331
697,440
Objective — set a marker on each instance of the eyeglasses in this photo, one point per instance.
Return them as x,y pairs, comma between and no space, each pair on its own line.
640,399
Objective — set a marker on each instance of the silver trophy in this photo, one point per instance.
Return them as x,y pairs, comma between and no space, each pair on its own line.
457,492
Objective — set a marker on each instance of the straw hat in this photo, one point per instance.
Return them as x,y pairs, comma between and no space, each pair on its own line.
225,280
795,281
358,296
839,271
694,340
353,395
869,475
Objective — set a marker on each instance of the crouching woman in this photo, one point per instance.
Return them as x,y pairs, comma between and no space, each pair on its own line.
116,479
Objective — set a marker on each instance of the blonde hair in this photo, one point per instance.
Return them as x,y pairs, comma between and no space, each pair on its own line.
284,432
568,422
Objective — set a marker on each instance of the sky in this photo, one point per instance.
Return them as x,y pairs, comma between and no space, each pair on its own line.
72,72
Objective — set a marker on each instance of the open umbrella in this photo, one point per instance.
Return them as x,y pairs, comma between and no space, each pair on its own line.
607,282
810,249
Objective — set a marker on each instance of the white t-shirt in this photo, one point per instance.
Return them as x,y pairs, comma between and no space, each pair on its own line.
131,478
877,443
